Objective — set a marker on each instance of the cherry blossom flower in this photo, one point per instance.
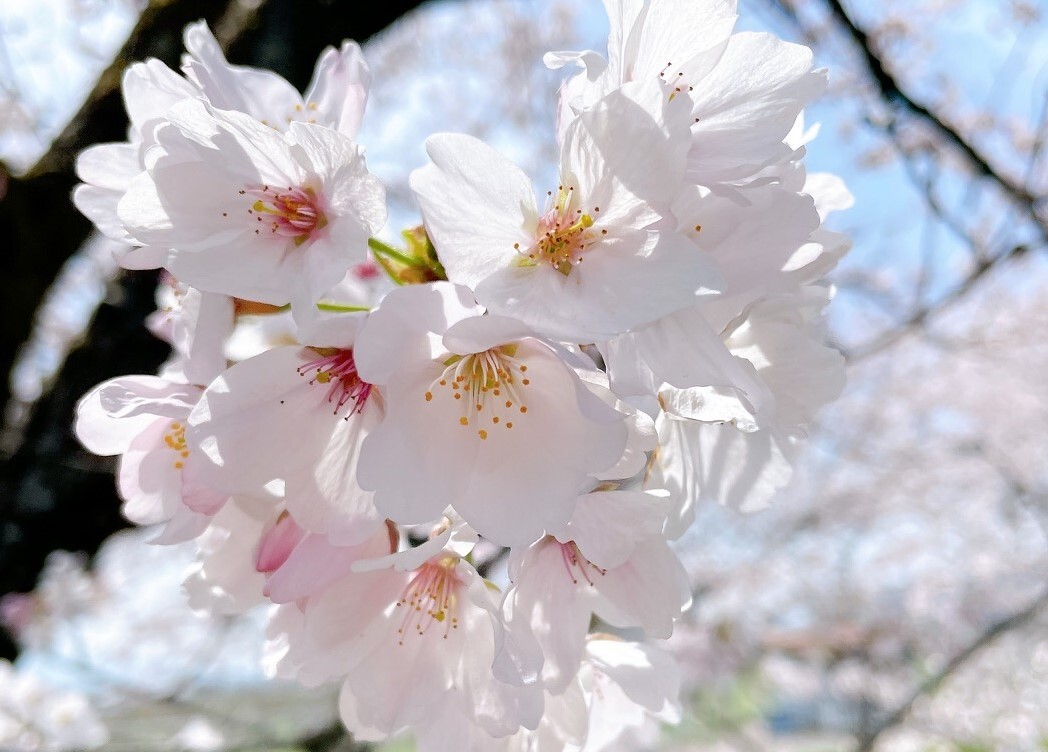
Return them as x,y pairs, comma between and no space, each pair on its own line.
744,90
610,559
721,449
313,393
335,98
250,212
582,268
489,417
416,645
568,380
144,420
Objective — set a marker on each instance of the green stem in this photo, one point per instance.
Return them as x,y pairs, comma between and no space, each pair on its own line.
338,308
388,269
387,250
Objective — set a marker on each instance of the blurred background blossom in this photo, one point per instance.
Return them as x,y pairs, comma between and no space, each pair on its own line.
893,599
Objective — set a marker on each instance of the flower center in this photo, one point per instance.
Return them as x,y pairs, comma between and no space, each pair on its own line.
293,213
337,369
564,233
302,113
175,438
431,596
576,564
675,84
489,386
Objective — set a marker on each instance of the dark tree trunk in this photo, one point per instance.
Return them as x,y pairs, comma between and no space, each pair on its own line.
53,494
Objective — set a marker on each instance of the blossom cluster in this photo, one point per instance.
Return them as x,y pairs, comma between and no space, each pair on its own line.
456,468
34,716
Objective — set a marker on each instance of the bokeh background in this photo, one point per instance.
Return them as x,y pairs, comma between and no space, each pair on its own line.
894,598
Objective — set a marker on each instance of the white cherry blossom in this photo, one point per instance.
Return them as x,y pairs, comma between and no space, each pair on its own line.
415,640
488,417
335,98
582,269
610,559
315,394
250,212
144,420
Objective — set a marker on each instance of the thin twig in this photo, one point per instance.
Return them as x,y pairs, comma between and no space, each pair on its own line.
893,93
991,633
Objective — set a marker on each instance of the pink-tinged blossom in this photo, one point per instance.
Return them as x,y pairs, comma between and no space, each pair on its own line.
297,563
250,212
631,688
415,641
581,269
612,560
297,414
224,579
335,99
483,416
143,419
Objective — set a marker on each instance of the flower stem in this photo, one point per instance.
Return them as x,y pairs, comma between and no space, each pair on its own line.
339,308
378,246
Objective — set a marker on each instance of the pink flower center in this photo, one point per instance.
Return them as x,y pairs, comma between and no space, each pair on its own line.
564,233
489,387
576,564
293,213
337,369
431,596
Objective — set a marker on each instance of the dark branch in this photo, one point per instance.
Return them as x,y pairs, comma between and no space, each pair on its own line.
159,19
894,94
991,633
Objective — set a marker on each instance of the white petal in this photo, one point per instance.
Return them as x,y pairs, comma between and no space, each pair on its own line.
607,525
476,204
400,328
340,87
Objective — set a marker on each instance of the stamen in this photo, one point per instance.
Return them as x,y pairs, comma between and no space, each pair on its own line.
564,233
573,560
491,382
337,368
293,213
175,439
431,596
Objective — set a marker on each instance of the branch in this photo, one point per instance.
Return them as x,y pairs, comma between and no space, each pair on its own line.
158,15
991,633
984,262
1022,197
893,93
